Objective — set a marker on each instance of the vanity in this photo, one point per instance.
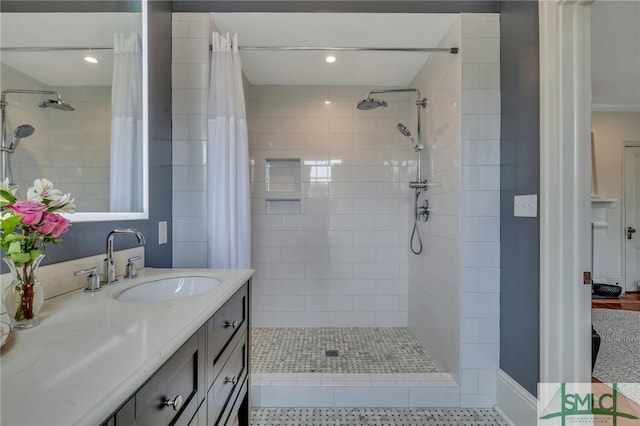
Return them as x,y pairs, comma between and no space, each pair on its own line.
98,360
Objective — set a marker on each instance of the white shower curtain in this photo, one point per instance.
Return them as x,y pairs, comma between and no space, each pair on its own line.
126,125
229,235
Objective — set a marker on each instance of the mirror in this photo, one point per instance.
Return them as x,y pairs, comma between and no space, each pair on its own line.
96,150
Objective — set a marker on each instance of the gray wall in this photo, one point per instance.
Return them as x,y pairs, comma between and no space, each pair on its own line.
86,239
519,175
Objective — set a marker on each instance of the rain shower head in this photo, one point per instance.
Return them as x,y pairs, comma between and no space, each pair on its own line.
404,130
21,132
57,104
371,103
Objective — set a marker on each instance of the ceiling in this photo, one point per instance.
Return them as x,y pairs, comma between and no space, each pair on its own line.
367,68
615,47
46,30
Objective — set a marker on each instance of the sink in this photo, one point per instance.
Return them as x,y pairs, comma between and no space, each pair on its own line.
167,289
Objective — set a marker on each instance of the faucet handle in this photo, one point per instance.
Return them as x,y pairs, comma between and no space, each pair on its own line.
93,279
131,267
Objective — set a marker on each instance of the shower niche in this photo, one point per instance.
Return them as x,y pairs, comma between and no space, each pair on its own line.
282,186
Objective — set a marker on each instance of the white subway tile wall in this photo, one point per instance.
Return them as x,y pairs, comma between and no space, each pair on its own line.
344,260
452,311
480,210
79,164
434,276
324,266
190,86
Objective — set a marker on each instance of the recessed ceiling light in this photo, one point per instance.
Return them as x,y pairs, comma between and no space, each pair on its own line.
91,59
327,102
330,59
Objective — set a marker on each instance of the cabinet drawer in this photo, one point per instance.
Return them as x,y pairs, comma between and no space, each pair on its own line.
180,377
232,375
231,412
230,319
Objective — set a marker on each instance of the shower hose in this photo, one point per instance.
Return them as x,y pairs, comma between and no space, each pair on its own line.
416,232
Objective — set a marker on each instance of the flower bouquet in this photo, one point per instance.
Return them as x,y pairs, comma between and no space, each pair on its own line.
26,228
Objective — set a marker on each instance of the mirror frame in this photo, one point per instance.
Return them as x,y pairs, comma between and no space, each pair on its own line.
144,214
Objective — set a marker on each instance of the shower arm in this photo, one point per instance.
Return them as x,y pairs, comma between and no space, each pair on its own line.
4,160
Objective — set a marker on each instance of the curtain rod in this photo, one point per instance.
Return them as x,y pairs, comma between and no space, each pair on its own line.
452,50
49,49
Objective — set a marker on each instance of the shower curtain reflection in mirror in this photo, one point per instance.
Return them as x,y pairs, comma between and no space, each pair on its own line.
126,125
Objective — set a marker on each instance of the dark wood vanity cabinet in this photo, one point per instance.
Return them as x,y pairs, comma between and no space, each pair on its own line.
228,361
205,383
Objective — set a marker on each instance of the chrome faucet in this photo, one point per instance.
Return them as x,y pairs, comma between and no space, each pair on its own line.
109,276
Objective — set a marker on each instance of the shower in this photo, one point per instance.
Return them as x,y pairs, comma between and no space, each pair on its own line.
57,104
24,130
21,132
370,103
421,212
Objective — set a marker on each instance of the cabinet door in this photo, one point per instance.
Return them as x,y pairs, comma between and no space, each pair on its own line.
171,396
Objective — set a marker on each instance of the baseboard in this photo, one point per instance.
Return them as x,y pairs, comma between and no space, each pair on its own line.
514,402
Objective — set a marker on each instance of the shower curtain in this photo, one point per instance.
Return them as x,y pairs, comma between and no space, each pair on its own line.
229,238
125,182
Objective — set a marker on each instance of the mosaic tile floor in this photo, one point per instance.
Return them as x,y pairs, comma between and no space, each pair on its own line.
375,416
359,350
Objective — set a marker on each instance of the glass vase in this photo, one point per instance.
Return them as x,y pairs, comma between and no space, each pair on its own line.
24,297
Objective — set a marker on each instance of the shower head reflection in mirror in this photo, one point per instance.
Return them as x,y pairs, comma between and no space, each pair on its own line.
24,130
21,132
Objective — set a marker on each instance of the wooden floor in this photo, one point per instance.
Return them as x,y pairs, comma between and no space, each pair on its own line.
626,301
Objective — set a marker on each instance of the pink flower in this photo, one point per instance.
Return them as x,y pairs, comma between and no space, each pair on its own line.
53,225
31,210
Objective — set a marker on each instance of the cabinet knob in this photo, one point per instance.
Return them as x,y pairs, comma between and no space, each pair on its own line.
176,403
232,324
233,380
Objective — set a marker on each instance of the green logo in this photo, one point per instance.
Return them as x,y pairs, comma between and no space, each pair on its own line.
583,402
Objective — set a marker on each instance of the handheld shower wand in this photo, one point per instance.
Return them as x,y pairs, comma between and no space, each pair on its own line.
419,183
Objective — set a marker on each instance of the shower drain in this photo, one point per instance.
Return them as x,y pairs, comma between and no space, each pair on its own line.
331,352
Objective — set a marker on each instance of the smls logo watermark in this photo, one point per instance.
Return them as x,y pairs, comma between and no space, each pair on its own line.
585,403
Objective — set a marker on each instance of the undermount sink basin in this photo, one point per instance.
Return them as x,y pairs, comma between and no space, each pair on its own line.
167,289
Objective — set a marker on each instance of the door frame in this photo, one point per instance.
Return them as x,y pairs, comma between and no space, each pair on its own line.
623,205
565,190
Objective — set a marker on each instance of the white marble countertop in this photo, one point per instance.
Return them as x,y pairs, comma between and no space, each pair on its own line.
90,352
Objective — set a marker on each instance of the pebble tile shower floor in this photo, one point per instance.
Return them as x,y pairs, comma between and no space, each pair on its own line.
376,417
359,350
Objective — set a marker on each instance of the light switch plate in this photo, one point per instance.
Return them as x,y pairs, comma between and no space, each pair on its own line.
525,205
162,232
